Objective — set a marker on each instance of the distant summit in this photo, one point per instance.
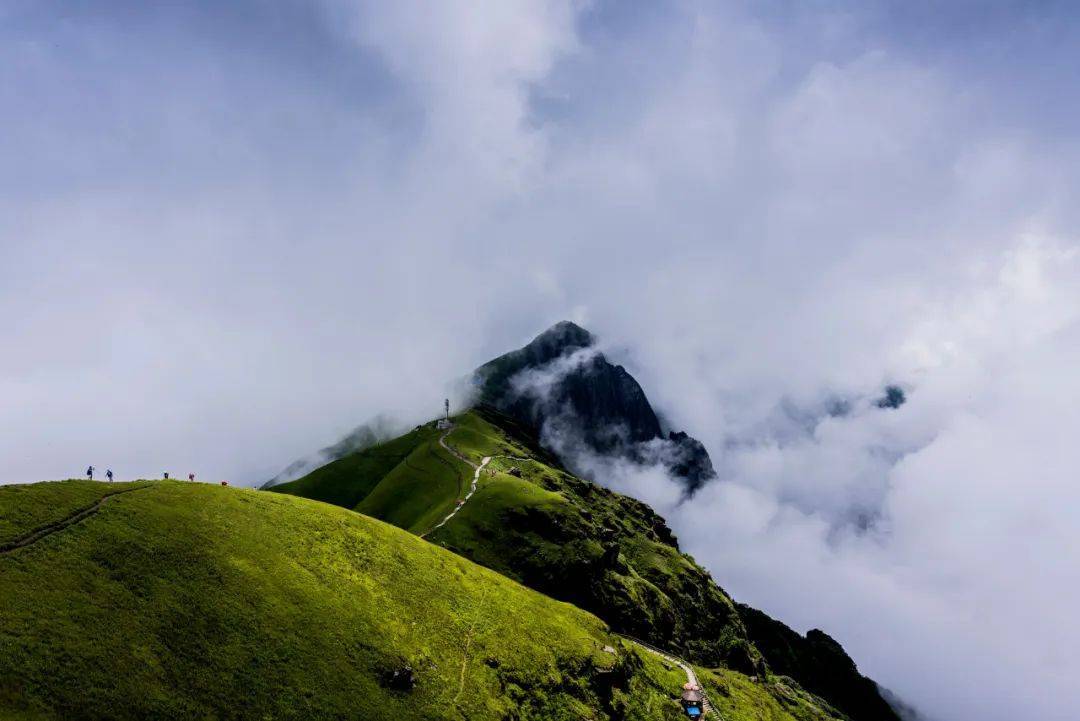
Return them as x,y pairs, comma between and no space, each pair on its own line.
561,338
563,387
559,375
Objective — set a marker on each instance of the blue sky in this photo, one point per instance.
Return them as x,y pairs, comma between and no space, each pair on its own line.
229,232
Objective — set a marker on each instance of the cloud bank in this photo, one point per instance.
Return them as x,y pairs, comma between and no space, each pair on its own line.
228,234
940,536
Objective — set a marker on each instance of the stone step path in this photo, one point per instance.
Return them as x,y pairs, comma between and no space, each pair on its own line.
691,676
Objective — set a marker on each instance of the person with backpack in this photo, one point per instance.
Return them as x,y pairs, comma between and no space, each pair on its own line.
191,476
89,473
108,474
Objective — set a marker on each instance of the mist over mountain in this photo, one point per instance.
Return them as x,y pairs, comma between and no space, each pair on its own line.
563,388
232,231
562,385
594,415
365,435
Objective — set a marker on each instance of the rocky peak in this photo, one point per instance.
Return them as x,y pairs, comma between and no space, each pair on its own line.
589,402
560,339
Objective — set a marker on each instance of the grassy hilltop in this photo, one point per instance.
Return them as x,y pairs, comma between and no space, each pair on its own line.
179,600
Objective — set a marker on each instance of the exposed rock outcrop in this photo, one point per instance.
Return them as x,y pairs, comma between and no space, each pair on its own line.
562,386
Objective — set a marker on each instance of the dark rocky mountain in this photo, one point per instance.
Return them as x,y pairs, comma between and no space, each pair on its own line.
819,663
894,398
564,388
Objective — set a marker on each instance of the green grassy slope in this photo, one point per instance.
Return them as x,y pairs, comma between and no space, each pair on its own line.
419,492
192,601
348,480
569,538
776,698
600,550
48,502
566,537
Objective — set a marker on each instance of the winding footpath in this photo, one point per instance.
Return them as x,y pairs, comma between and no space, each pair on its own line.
477,469
691,676
76,516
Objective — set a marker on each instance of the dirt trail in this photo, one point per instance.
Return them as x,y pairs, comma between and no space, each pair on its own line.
477,469
691,676
77,516
453,451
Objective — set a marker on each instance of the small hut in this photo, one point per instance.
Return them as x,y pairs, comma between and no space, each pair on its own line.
693,702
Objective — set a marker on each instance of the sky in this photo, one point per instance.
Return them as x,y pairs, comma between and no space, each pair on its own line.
230,232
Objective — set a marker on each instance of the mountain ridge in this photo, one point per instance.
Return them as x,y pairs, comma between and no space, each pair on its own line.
535,522
539,523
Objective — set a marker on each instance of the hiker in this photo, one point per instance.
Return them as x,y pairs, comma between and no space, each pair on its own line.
90,473
166,475
191,476
108,474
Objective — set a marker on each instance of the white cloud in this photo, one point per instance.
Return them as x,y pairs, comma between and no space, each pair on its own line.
966,581
228,237
470,69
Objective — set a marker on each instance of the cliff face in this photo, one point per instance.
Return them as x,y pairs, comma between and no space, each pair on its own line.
558,374
561,385
818,662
